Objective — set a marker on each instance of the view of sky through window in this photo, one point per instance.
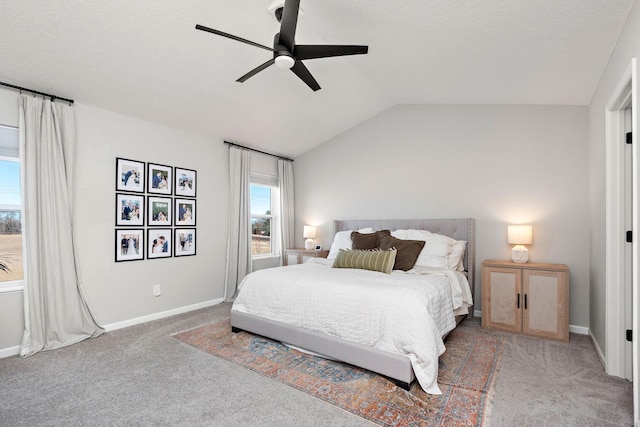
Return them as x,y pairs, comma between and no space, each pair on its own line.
9,183
260,199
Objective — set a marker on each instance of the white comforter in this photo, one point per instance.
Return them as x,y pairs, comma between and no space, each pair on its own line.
403,313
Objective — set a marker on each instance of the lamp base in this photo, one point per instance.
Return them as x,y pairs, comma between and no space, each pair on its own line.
519,254
308,244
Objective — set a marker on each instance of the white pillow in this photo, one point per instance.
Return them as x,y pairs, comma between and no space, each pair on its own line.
342,240
400,234
455,258
436,249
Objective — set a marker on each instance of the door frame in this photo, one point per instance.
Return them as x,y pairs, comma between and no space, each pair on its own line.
623,97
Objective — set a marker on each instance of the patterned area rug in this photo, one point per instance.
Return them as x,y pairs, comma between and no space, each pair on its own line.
466,373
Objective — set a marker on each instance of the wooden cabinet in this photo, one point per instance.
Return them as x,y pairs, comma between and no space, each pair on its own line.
298,256
530,298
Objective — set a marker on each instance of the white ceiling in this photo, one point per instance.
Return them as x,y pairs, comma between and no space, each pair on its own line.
144,58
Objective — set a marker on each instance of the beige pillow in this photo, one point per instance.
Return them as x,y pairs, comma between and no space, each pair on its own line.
375,260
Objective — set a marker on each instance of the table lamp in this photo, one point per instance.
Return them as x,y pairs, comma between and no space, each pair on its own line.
520,235
309,233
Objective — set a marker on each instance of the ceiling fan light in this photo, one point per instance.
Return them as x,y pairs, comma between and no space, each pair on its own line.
284,61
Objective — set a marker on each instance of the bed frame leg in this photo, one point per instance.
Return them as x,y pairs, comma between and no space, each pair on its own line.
235,330
402,384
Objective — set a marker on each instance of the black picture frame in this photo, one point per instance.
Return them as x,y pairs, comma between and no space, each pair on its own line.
185,182
184,242
129,244
130,175
155,246
185,212
159,211
159,179
129,210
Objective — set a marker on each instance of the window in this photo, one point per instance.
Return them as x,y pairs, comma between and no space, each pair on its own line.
11,266
261,220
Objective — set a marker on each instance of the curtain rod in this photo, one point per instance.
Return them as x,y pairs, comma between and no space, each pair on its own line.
258,151
53,97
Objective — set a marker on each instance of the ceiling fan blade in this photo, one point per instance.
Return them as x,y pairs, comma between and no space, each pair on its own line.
288,23
232,37
256,70
311,51
301,71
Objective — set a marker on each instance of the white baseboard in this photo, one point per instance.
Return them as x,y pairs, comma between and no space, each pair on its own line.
598,351
572,328
155,316
13,351
579,330
9,351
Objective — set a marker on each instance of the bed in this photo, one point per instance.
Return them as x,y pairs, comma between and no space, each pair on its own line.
400,367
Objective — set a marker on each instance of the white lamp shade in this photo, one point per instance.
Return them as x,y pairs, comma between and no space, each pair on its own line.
309,232
520,234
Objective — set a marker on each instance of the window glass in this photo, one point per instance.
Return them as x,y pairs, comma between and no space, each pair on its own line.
10,221
261,220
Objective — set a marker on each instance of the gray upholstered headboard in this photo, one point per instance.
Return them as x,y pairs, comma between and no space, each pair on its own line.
459,229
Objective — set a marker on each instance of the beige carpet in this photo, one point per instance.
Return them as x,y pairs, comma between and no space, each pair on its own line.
141,376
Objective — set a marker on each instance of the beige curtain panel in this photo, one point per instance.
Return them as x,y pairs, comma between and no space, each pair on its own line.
56,312
287,213
239,240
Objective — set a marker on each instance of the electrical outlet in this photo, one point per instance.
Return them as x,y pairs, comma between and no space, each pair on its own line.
156,291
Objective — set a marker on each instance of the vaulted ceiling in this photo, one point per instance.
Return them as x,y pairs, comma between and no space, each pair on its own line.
145,59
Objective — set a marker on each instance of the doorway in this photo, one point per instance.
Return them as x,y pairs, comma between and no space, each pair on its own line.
622,216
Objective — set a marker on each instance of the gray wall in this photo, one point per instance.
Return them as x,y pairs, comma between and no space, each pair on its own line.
499,164
122,292
626,49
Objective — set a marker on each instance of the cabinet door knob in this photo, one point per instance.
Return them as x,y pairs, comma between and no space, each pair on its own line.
518,304
525,301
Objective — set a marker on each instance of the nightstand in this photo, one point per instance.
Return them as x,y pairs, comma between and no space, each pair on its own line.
298,256
530,298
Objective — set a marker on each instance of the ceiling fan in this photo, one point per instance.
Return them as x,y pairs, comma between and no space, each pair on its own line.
286,54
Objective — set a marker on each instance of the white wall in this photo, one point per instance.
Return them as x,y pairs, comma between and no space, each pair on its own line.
498,164
11,322
122,292
626,49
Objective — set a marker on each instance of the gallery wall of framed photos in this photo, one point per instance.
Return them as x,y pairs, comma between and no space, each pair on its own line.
155,211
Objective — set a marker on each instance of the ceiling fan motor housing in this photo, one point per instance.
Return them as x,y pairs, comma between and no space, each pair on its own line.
275,8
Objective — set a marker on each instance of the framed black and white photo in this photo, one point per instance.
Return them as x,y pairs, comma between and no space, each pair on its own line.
129,175
129,243
185,241
159,243
160,178
185,182
129,209
159,211
185,212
